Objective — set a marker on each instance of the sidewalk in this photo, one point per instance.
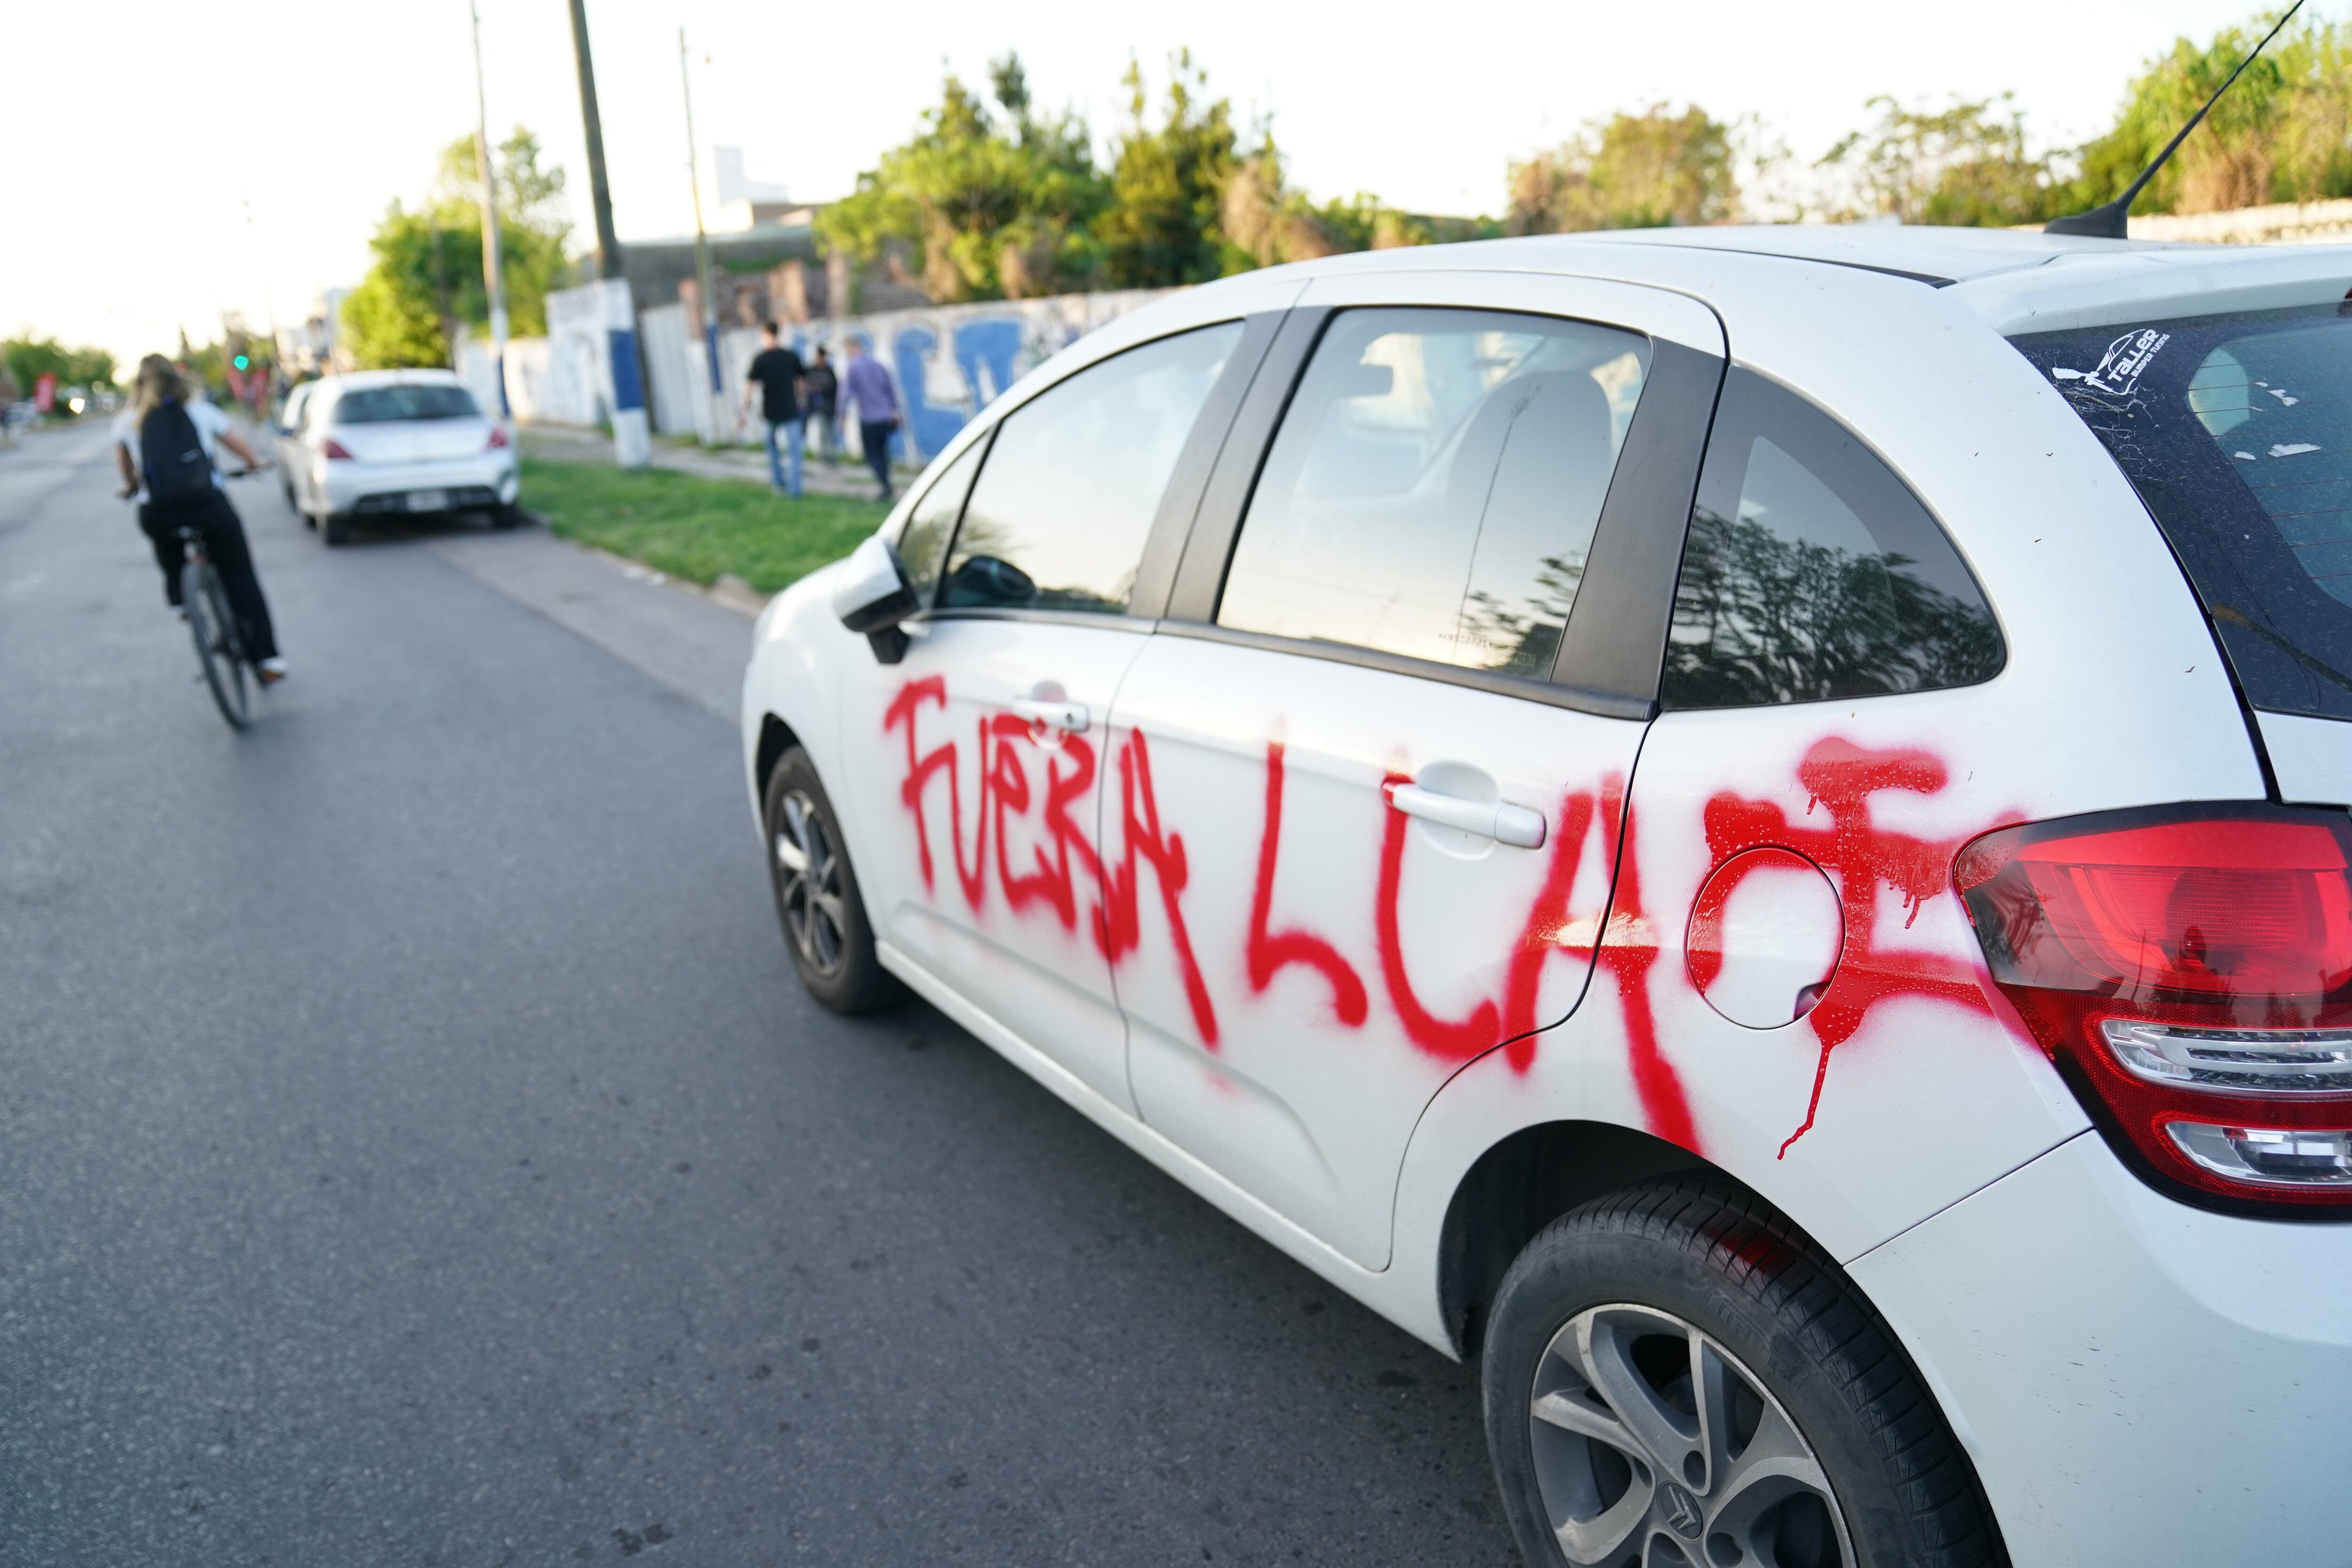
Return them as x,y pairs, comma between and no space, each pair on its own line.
562,444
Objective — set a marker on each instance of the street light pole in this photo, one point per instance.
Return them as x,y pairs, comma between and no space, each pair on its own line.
493,272
705,307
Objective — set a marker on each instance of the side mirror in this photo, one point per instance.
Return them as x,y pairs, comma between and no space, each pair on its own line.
872,595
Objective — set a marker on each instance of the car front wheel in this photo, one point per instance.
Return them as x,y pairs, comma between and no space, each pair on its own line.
1675,1374
817,901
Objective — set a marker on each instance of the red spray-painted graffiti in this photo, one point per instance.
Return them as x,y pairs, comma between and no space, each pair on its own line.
1004,791
1838,775
1268,953
1842,776
1629,947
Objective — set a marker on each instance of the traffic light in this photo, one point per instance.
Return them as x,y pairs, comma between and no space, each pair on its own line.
243,363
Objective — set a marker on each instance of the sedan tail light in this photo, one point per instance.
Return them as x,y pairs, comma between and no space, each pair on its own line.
2189,970
497,439
335,452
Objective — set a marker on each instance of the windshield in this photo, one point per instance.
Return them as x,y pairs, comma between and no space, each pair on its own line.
2237,430
383,405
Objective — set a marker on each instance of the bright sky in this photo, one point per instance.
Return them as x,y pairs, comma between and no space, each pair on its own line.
144,133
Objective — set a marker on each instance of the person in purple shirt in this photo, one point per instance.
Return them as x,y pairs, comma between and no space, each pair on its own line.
870,396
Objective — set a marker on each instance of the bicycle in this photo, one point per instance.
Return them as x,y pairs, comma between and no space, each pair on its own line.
212,621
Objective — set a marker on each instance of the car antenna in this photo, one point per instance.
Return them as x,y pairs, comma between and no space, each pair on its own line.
2111,221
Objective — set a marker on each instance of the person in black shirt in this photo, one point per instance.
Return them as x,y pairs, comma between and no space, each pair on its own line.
778,373
821,383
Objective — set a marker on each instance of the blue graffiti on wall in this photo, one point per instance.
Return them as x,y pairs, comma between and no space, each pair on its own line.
985,351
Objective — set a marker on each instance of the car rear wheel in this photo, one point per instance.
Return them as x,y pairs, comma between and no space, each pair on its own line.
335,527
1675,1374
817,901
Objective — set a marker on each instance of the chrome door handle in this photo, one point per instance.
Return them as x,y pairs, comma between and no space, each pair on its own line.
1498,820
1069,717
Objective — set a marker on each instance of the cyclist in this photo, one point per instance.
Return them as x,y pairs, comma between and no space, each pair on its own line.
163,447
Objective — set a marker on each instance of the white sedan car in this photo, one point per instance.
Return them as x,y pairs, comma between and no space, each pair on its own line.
392,441
1747,825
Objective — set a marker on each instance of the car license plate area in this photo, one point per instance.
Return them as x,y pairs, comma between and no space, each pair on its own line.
428,500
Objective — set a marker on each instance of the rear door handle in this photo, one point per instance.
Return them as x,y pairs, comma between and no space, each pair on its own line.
1066,716
1498,820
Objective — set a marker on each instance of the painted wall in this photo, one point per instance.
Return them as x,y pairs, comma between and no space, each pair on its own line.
950,361
563,378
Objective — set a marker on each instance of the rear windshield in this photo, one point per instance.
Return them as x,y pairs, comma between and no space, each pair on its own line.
2237,430
383,405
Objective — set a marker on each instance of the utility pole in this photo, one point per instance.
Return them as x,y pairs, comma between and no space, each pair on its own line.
706,307
600,189
632,440
493,274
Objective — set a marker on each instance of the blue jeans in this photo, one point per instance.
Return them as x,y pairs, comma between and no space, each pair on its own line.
777,468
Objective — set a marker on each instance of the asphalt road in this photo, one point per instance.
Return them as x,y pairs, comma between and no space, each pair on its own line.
416,1150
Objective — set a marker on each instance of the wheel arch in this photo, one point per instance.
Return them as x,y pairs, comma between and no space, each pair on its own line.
776,738
1520,1184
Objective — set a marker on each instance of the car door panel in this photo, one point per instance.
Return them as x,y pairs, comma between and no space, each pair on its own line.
1353,955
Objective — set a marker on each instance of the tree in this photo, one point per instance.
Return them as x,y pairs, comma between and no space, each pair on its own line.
1000,203
1630,171
423,259
1168,185
29,358
1963,165
2279,135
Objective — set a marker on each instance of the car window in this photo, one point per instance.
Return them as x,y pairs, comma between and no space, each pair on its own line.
1810,572
1070,485
923,542
2234,429
385,404
1433,488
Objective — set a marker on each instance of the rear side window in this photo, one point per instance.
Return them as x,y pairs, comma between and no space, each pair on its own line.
1810,572
1066,497
1434,490
385,404
2237,431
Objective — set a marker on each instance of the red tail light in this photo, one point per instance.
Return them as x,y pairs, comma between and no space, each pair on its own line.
2189,969
497,439
334,450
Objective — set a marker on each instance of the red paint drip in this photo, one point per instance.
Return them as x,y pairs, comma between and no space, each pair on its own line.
1457,1041
1546,926
1268,954
1628,949
1121,929
1843,777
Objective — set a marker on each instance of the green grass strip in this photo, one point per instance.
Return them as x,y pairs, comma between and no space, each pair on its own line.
695,528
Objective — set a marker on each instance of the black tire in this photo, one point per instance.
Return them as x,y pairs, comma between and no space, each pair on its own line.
219,648
505,516
335,527
1692,1282
817,901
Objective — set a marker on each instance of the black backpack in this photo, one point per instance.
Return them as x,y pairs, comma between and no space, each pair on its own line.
174,456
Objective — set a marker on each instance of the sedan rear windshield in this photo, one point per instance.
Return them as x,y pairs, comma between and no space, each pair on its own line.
2237,430
383,405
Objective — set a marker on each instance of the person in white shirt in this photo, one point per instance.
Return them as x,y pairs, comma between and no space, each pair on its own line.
201,502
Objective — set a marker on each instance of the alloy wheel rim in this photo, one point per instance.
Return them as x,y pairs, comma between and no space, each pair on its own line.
1654,1447
809,884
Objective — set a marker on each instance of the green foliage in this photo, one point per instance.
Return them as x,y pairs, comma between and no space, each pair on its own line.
1168,185
1630,171
396,316
2283,134
1263,222
695,528
1963,165
28,358
1000,204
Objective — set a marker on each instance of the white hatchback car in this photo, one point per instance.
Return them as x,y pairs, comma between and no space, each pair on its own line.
392,441
1747,824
